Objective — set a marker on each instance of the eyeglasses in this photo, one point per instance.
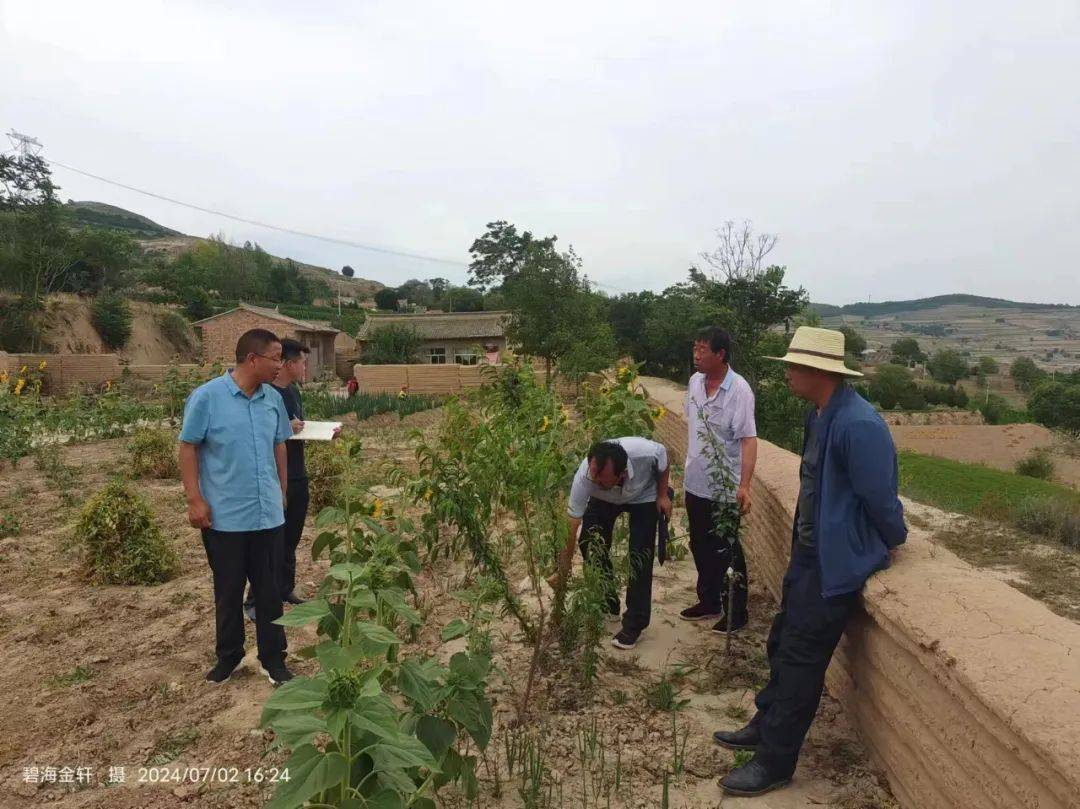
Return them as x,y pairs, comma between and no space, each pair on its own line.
278,360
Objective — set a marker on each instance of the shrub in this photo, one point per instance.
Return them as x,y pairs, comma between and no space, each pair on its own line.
197,303
1050,517
177,331
327,463
1038,464
123,544
153,454
111,315
391,345
20,327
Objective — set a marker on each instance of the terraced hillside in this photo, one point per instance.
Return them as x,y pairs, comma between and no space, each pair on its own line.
1048,335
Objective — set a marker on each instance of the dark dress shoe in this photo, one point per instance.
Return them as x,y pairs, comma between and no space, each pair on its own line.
746,738
752,779
293,598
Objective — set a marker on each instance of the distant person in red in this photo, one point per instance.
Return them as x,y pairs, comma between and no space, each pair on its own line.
352,386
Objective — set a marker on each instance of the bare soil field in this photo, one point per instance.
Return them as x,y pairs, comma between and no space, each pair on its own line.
997,446
109,676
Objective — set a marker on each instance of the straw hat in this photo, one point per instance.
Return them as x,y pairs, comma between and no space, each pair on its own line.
817,348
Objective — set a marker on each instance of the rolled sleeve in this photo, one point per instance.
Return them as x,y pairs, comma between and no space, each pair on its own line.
579,496
196,418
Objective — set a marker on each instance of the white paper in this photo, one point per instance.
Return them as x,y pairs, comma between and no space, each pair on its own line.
316,431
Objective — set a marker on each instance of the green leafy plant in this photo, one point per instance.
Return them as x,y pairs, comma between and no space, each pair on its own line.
372,728
153,454
121,540
62,477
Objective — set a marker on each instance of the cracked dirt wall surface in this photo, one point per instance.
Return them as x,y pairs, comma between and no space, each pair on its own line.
966,691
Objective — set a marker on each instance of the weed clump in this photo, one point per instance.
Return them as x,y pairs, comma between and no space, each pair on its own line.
1049,517
122,543
153,454
1038,465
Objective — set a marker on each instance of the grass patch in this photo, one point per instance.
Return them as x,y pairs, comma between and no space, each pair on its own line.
169,746
971,488
321,404
79,674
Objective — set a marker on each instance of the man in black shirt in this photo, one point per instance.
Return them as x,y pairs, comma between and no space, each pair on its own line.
283,560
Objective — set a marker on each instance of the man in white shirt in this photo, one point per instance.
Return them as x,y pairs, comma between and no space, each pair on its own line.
620,475
720,457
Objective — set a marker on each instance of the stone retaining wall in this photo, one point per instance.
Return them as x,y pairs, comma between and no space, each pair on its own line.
965,691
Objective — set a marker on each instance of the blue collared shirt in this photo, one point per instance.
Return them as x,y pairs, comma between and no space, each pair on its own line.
236,436
729,414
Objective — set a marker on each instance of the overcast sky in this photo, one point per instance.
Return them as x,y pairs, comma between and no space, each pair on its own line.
898,149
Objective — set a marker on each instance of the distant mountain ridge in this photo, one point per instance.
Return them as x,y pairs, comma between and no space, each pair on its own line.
868,309
102,215
155,238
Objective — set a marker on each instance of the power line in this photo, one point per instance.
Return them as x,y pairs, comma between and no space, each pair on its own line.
305,234
294,232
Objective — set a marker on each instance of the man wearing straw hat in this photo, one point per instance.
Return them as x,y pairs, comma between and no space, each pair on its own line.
848,521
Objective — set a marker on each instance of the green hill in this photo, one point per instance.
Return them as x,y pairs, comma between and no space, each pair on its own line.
101,215
867,309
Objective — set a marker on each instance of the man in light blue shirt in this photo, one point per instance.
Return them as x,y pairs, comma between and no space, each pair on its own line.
621,475
233,465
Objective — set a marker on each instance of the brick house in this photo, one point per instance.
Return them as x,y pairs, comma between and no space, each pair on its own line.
466,338
221,331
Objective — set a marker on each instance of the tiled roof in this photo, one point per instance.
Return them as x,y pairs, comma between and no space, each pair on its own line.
442,326
302,325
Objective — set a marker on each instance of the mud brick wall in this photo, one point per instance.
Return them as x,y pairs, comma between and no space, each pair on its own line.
448,378
156,373
64,371
965,691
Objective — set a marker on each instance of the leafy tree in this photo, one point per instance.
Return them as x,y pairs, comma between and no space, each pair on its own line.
387,299
1056,404
854,343
749,306
110,315
1026,374
348,271
438,286
890,384
947,366
500,253
392,344
416,292
988,366
197,303
463,299
552,311
906,351
100,259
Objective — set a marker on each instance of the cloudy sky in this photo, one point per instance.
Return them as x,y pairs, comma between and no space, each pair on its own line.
898,149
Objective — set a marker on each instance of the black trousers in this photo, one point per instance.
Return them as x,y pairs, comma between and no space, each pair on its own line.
713,554
236,557
597,526
801,642
283,560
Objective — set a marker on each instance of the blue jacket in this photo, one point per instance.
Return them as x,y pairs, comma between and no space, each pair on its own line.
858,517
